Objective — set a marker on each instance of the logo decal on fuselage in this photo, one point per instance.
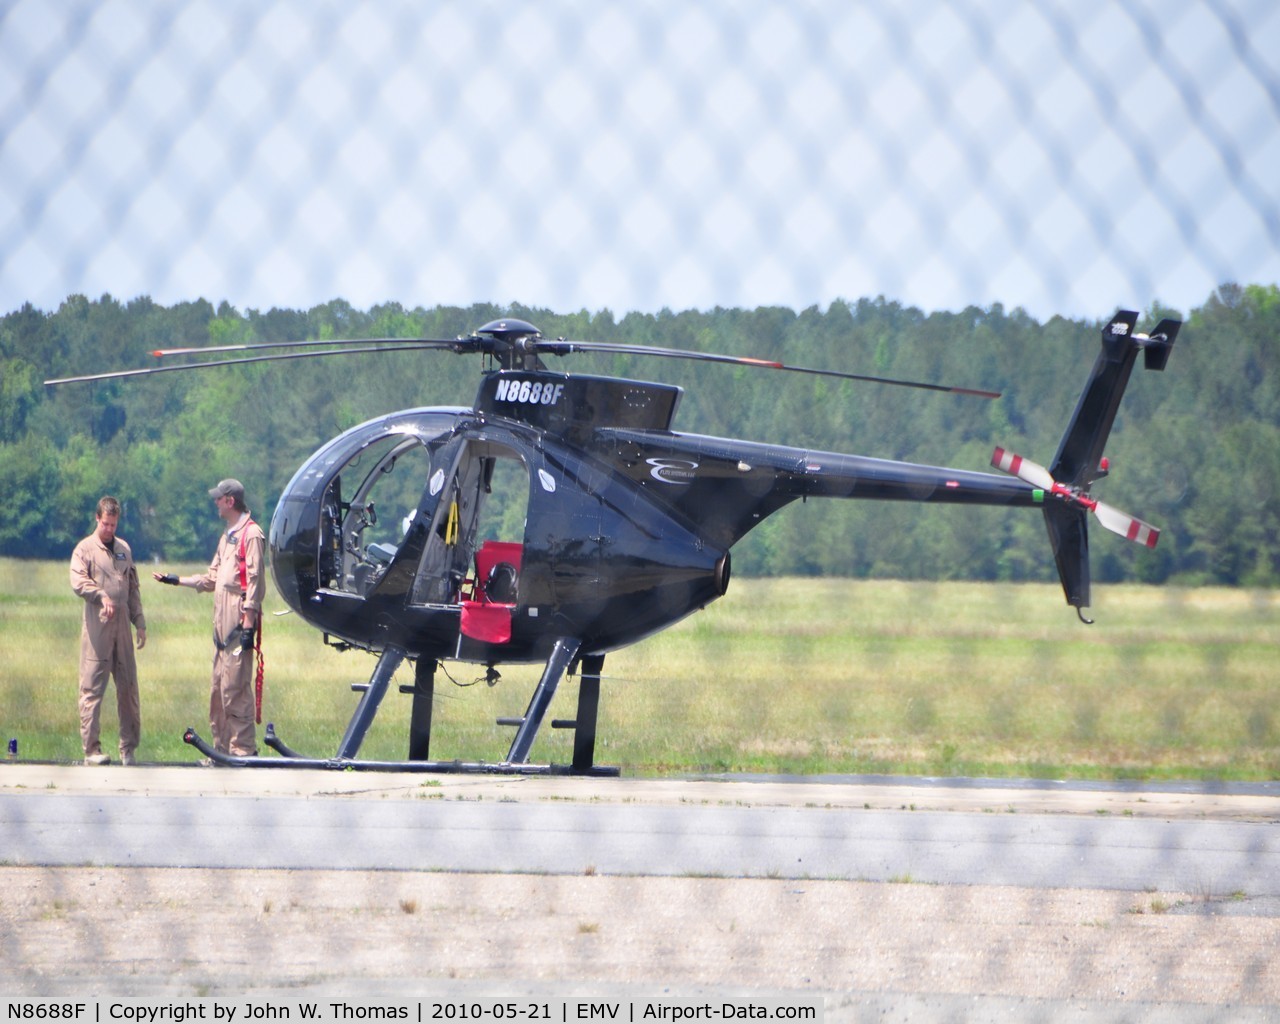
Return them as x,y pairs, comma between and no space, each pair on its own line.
530,392
673,471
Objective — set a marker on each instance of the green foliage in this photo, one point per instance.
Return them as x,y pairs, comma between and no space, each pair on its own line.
1196,449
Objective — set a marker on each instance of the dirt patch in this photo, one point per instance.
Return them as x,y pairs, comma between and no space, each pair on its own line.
216,932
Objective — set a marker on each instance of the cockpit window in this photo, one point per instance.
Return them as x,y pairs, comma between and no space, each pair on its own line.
370,506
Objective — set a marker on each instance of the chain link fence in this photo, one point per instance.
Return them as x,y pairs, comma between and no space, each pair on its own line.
1066,158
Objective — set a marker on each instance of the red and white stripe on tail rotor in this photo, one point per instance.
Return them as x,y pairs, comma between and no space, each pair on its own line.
1023,469
1109,517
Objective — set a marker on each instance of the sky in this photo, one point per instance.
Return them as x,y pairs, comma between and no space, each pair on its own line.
1067,157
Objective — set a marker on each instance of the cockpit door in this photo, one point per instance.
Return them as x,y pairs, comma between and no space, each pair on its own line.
481,491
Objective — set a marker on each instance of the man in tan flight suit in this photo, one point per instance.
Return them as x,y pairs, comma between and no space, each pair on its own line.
103,574
238,581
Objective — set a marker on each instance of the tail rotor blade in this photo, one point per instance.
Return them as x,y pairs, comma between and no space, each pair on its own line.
1024,469
1111,518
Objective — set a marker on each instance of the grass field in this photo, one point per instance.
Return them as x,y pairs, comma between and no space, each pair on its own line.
782,675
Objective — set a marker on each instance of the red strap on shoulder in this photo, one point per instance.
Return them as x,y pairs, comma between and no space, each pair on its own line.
241,563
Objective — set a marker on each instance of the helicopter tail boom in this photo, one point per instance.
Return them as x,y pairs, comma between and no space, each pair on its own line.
1079,461
729,486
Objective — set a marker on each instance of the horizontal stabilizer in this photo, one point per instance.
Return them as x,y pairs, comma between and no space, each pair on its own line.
1159,343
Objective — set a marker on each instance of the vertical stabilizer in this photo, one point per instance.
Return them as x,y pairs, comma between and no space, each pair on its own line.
1079,457
1069,536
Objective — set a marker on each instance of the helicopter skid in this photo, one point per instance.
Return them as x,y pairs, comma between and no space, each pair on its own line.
294,760
561,655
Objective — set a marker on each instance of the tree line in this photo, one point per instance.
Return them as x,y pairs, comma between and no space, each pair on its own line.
1195,449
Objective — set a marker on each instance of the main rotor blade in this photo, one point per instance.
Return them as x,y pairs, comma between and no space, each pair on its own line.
479,343
562,347
427,343
120,374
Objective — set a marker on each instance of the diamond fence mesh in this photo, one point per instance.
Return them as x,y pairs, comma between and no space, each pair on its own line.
1066,158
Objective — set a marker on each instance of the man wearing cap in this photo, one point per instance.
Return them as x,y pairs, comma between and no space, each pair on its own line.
236,577
104,576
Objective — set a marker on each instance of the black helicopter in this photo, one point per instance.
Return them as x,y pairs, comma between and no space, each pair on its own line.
615,526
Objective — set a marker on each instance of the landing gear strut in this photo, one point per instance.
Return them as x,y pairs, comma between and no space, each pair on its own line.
561,659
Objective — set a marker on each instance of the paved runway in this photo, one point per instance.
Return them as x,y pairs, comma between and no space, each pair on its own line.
1206,841
1024,930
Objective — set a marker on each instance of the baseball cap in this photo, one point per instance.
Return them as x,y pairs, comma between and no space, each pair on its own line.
233,488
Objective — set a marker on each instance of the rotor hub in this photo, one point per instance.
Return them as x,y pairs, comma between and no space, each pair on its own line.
509,330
